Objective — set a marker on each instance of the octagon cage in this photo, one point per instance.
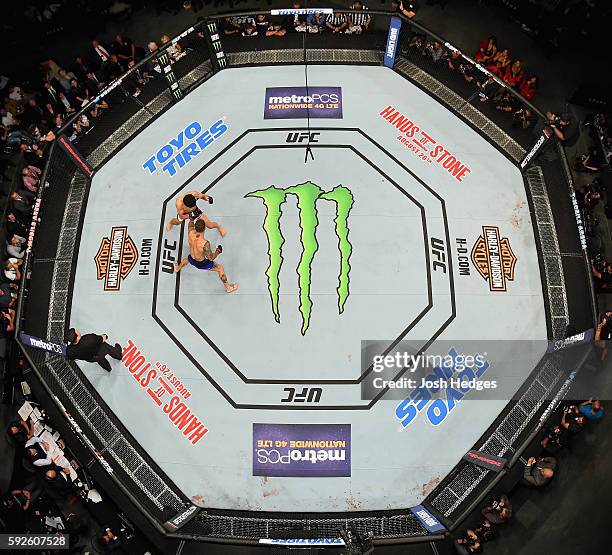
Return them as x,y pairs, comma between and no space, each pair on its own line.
139,97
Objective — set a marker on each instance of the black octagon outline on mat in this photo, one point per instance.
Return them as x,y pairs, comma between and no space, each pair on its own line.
403,334
305,382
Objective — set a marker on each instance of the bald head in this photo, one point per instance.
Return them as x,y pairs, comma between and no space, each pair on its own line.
547,472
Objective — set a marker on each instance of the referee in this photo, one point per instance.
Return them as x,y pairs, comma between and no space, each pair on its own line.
91,348
359,22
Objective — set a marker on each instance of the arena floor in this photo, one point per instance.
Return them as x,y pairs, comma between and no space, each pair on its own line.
404,225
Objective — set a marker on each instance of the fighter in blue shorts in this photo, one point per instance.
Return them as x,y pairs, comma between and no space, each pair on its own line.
206,264
200,255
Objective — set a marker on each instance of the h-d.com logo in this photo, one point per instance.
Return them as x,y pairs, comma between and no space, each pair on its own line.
307,196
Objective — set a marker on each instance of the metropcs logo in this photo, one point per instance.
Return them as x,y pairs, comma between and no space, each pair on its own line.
307,195
303,102
494,259
116,258
304,450
45,345
299,100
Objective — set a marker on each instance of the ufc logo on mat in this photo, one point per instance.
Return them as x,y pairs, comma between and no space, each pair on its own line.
307,395
304,136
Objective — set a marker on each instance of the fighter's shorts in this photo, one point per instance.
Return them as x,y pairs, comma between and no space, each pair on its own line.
201,264
195,214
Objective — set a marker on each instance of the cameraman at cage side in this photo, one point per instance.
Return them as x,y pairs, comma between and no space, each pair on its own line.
564,127
407,8
602,273
591,198
603,334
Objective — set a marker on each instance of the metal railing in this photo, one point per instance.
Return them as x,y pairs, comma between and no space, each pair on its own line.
146,91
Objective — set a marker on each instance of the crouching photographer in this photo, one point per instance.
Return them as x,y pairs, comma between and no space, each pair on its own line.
591,161
555,440
590,197
572,419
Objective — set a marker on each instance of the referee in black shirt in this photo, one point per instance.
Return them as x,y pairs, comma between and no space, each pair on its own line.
91,348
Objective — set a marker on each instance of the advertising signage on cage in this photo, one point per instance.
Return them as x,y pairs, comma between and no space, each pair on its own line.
302,102
431,523
485,460
302,11
76,157
571,341
546,134
394,30
302,450
181,519
43,344
303,542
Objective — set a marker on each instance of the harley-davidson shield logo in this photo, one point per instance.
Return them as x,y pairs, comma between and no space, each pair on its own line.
493,258
116,258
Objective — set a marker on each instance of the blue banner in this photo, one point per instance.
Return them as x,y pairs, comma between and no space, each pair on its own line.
392,38
43,344
572,341
427,519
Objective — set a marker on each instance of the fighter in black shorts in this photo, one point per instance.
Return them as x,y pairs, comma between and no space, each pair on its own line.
186,208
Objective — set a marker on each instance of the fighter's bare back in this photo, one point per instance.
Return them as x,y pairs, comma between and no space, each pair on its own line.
199,246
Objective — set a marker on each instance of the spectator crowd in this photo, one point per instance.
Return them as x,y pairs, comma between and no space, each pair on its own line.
44,480
496,64
51,492
33,113
357,22
538,471
595,169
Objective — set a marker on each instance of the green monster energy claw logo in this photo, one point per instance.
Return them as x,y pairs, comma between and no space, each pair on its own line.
307,195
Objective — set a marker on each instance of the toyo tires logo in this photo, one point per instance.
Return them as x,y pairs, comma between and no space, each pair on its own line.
307,195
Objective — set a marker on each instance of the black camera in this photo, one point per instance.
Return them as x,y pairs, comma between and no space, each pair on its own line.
599,263
555,434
